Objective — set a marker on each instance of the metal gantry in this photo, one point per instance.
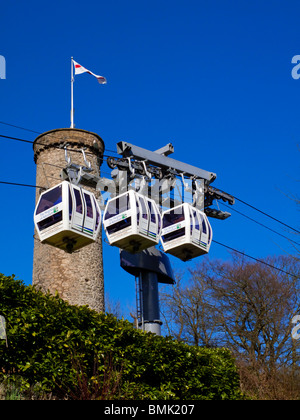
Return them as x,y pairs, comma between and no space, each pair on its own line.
149,194
142,164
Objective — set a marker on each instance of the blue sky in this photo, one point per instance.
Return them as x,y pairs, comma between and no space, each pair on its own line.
212,77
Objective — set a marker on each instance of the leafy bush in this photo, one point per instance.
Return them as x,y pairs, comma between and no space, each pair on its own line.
75,352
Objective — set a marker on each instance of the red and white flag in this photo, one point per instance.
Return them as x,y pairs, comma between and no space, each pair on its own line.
80,69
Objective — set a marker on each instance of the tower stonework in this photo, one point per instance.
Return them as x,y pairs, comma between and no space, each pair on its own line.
76,277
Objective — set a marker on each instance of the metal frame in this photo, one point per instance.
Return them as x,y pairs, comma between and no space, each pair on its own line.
144,165
161,160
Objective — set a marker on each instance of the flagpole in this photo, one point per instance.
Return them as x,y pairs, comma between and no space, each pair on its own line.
72,94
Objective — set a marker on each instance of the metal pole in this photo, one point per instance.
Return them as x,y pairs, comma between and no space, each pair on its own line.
150,300
72,94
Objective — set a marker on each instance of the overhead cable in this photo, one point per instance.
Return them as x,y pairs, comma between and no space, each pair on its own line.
75,150
256,259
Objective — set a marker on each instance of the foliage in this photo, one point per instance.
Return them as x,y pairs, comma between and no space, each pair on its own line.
74,352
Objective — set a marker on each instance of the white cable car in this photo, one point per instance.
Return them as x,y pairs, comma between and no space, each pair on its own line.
67,217
186,232
132,222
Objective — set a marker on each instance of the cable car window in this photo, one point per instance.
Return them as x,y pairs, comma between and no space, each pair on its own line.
78,201
152,214
123,203
209,234
49,221
97,214
89,207
117,206
204,230
110,209
50,199
137,210
144,210
116,227
197,226
175,216
70,204
174,235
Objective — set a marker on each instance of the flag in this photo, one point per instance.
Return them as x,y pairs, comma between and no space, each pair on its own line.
80,69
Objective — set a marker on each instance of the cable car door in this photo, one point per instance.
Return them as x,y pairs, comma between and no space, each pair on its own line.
195,226
204,232
143,217
78,209
88,221
153,222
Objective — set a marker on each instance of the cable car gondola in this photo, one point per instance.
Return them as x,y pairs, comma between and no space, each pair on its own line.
186,232
132,222
67,217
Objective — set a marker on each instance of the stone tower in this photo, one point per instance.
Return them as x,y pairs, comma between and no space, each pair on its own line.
77,277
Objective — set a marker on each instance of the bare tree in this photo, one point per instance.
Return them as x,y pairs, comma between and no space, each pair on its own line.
255,305
247,307
113,306
188,310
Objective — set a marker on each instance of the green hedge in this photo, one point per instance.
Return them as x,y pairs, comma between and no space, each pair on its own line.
75,352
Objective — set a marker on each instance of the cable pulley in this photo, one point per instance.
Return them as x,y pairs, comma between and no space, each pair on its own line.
140,167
